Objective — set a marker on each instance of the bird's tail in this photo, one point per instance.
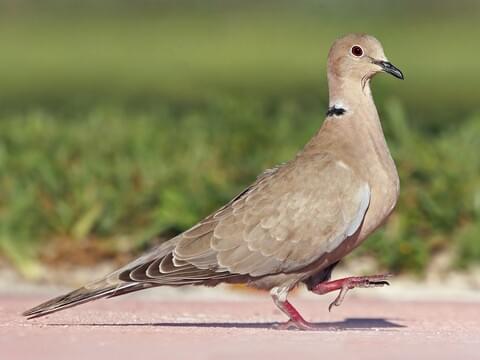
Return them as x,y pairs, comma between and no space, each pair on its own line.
93,291
110,286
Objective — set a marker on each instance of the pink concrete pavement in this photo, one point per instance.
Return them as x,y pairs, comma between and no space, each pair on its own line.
132,328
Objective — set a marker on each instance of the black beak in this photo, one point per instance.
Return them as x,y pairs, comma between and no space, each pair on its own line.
389,68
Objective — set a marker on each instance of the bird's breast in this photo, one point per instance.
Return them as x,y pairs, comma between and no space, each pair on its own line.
385,186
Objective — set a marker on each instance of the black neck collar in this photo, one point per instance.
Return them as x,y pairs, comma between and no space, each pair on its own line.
337,111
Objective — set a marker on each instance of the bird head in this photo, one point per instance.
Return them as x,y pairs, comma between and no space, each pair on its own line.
359,57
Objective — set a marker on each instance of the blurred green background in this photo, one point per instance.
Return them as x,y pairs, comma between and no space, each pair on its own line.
121,121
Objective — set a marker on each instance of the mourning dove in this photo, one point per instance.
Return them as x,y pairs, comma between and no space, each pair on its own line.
297,220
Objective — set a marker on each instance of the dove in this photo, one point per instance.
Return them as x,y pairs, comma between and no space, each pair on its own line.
296,221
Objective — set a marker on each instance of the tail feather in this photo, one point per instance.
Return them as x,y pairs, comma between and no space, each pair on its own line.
110,286
76,297
129,289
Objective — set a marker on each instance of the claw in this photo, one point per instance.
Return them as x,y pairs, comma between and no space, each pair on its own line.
339,299
333,303
350,283
369,284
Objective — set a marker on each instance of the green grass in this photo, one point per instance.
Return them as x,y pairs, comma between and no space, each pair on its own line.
116,126
113,177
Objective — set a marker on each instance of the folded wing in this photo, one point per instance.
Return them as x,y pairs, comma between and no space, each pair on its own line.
287,219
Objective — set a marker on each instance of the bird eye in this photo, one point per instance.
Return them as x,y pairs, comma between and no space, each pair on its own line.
357,51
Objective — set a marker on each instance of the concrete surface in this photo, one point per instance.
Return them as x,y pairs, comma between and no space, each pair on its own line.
133,327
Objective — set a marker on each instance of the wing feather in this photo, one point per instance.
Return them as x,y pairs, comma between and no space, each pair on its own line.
286,220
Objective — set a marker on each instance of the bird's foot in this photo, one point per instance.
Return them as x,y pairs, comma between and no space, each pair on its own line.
296,320
295,325
350,283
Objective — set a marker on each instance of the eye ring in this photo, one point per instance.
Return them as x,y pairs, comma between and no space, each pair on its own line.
356,51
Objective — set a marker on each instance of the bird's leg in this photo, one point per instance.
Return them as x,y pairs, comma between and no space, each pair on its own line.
296,321
349,283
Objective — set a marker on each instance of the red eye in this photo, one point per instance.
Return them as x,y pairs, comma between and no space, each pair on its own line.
357,50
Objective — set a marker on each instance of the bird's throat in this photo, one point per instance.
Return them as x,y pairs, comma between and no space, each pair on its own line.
347,93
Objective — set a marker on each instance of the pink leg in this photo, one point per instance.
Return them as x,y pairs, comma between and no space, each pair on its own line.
296,321
349,283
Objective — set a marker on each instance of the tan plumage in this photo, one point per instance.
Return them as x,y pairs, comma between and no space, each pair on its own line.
296,221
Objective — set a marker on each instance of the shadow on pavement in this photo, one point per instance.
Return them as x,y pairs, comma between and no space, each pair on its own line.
347,324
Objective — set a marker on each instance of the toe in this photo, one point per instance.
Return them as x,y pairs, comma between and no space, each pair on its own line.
294,325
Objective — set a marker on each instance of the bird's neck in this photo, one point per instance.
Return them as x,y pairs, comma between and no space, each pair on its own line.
355,131
359,124
359,113
349,93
